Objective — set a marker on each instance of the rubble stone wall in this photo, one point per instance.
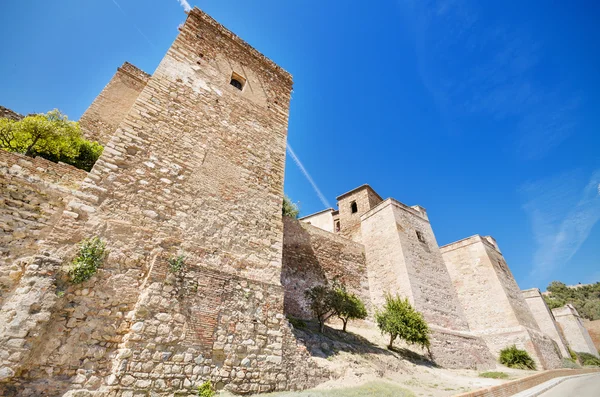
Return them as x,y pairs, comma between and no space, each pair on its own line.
311,257
102,118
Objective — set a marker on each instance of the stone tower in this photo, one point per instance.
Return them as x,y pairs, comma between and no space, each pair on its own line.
105,114
572,327
403,258
492,300
195,169
544,318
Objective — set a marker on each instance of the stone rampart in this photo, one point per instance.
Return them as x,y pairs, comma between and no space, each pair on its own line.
545,319
572,328
312,256
593,328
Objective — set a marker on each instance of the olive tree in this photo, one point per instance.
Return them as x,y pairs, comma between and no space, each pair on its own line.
400,320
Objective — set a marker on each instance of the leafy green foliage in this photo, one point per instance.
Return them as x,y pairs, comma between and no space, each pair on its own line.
206,389
296,322
588,359
345,305
516,358
176,263
400,320
585,298
289,208
320,302
494,375
51,136
90,257
572,354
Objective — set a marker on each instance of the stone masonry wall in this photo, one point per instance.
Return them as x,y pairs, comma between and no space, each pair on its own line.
195,168
101,119
399,262
34,194
480,276
350,223
572,328
544,318
312,256
6,113
593,328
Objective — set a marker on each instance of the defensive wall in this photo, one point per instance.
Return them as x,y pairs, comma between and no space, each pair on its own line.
593,328
574,331
481,276
545,319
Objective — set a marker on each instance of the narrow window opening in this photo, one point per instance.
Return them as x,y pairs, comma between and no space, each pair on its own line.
354,207
420,236
337,226
237,81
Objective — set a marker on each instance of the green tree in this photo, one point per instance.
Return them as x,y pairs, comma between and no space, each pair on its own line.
320,299
289,208
585,298
400,320
347,306
52,136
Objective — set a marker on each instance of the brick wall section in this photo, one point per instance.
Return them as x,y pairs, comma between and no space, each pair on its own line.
196,167
366,199
593,328
6,113
480,275
34,193
510,388
312,256
572,328
101,119
544,318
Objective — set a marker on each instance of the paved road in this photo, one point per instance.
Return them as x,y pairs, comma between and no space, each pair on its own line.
584,386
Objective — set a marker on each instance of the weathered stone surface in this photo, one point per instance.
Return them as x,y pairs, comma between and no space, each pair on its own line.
573,330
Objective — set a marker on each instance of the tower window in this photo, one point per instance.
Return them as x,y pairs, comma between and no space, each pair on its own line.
237,81
337,226
420,236
354,207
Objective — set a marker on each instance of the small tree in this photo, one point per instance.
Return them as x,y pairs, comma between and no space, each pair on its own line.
320,302
289,208
91,255
400,320
346,305
51,136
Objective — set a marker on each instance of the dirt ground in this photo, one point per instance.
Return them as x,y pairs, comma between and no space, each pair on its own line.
361,365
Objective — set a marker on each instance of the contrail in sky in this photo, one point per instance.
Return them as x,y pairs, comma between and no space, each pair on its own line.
133,23
186,6
307,175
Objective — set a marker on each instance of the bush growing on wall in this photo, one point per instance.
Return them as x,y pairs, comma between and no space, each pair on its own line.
400,320
516,358
86,263
51,136
289,208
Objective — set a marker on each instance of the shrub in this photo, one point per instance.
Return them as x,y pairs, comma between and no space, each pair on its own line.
588,359
289,208
320,303
400,320
516,358
346,306
494,375
206,390
570,363
296,322
176,263
86,263
51,136
572,354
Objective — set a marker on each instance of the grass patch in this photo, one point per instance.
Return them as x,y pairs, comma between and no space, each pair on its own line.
371,389
494,375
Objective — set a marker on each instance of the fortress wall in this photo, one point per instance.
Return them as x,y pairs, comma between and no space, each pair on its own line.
195,168
102,118
493,303
34,194
311,257
6,113
575,333
544,318
593,328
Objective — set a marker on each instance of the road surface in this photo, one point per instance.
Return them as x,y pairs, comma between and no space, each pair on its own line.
583,386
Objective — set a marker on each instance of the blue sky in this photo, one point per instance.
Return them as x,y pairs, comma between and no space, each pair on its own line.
488,115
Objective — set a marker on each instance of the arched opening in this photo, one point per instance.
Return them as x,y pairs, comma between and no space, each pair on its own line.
236,83
354,207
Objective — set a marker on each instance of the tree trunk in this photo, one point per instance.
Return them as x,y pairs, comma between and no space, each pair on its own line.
29,149
392,337
321,326
345,322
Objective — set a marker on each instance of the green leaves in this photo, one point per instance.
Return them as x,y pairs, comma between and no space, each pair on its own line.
176,263
516,358
91,255
400,320
289,208
51,136
585,298
327,301
206,390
